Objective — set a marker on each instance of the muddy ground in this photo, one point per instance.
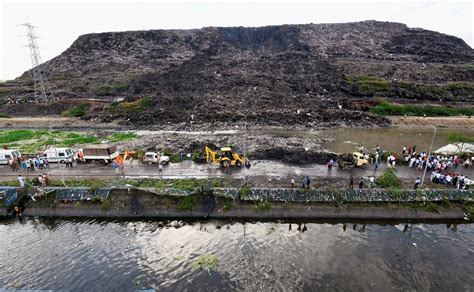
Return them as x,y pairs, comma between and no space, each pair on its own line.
291,146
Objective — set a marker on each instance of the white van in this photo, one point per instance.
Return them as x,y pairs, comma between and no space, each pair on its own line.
57,154
6,154
154,157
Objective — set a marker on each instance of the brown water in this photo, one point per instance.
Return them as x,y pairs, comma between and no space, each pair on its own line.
391,139
126,256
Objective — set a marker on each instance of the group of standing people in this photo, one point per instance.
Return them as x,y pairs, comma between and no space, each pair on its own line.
28,164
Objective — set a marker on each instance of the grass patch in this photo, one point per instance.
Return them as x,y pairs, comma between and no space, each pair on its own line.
187,203
389,109
122,136
206,262
370,85
86,183
245,191
79,140
106,204
389,179
431,207
4,116
16,135
175,158
228,205
77,111
179,258
461,138
102,90
469,67
40,138
263,206
139,105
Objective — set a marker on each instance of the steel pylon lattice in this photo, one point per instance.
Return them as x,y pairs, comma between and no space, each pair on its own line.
41,85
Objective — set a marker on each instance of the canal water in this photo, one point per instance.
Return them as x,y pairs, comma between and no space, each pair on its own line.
126,256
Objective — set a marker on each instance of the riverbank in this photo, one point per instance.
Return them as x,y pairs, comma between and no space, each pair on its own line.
242,203
277,212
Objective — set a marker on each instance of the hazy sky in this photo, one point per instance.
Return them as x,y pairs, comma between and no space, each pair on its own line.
60,23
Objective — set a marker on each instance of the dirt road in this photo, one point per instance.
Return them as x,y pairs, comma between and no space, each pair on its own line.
262,173
450,122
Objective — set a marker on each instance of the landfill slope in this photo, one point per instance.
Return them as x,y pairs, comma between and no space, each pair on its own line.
276,75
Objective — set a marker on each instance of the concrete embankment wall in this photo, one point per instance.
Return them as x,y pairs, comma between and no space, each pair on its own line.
311,204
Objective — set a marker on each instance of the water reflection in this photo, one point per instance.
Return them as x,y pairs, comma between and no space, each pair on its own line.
100,255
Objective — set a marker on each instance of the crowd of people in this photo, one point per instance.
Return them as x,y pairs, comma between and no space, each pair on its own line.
28,164
444,168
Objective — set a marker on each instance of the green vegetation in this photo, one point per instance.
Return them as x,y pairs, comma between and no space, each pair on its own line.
179,258
376,86
106,204
86,183
389,179
390,109
369,85
31,141
4,116
102,90
18,135
174,158
461,138
207,262
263,206
228,205
187,202
121,136
77,111
431,207
137,106
245,191
469,67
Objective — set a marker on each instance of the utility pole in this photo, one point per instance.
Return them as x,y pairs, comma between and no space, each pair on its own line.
429,154
41,85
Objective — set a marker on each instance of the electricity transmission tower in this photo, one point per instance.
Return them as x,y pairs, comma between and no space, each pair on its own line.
42,89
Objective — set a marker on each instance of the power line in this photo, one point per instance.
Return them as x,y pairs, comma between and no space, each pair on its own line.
42,89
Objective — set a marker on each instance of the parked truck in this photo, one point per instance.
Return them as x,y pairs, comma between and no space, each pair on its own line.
103,153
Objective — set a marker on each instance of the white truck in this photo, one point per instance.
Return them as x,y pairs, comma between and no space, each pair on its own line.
155,157
103,153
57,154
6,154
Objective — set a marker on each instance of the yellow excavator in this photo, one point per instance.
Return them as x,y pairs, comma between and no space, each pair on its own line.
226,157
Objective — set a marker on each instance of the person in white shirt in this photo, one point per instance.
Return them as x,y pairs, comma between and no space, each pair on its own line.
21,180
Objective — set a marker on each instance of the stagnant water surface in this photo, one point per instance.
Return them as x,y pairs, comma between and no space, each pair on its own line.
124,256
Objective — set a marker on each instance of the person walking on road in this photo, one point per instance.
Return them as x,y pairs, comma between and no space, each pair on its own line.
417,183
303,182
351,183
371,180
292,183
131,161
330,164
308,181
376,165
21,179
160,169
116,167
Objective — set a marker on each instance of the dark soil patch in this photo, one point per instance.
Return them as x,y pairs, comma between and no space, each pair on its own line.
296,156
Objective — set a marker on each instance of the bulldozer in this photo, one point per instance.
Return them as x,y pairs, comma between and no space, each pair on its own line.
348,161
226,157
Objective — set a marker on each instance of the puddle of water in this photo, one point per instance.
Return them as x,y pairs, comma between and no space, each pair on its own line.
391,139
